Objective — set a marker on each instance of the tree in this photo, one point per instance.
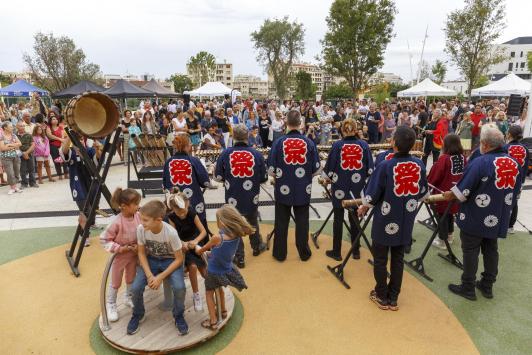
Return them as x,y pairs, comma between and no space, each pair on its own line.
338,91
529,61
304,87
482,81
202,68
470,34
354,44
394,88
5,80
181,83
439,70
280,44
59,64
425,71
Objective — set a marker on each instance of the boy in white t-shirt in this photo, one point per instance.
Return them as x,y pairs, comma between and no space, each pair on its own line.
160,253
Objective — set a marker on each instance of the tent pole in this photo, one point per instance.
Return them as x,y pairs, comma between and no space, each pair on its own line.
528,127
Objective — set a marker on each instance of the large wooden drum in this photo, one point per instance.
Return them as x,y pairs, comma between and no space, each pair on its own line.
93,115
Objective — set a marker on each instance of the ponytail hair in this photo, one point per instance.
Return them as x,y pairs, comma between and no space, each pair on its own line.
126,197
181,141
516,132
349,125
177,200
232,222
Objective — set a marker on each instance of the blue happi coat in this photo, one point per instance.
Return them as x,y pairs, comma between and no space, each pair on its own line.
488,191
393,190
387,155
520,153
242,169
80,178
189,174
293,160
349,164
475,154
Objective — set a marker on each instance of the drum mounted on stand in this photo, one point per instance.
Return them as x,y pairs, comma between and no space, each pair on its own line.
92,115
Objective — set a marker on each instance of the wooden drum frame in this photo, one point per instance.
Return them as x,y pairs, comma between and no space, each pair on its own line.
92,115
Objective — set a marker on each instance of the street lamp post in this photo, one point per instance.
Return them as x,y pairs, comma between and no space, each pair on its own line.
422,50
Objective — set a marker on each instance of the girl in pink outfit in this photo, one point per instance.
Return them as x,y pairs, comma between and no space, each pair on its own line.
42,152
120,237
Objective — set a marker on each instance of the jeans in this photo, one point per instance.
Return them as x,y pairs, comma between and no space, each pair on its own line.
255,239
27,167
338,227
373,137
282,218
324,137
471,246
384,289
157,266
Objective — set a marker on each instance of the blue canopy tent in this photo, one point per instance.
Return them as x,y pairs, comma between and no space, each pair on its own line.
21,88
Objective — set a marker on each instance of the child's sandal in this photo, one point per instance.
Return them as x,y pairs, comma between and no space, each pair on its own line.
207,324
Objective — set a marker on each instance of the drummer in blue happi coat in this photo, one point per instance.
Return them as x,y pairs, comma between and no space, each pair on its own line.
293,161
349,164
394,190
242,169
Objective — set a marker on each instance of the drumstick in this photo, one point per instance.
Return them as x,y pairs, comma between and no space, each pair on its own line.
434,187
354,199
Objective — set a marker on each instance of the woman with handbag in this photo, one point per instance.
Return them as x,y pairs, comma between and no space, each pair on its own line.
54,132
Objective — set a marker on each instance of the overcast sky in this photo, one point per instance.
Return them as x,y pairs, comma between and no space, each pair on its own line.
159,36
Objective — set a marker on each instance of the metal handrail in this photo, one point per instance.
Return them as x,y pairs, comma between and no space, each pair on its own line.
105,278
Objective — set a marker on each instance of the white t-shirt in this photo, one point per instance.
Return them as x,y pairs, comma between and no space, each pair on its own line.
172,108
161,245
211,140
348,111
414,119
363,108
276,125
178,124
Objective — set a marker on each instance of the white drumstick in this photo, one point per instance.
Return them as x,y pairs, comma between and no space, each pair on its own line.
354,199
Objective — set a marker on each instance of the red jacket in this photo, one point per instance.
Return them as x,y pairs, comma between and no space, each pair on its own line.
476,119
444,174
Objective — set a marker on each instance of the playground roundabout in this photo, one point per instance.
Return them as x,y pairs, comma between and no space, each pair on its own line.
293,307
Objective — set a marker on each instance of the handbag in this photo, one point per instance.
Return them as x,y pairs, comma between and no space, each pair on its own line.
58,160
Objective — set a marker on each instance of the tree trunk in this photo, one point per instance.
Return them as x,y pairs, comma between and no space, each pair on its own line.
469,88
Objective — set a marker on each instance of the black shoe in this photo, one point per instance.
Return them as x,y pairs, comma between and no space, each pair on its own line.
356,254
408,249
461,291
239,263
486,292
259,250
332,255
392,305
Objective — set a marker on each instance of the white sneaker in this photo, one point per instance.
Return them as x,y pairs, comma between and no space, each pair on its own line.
16,189
127,300
510,230
112,313
438,243
87,242
450,238
96,226
11,192
198,306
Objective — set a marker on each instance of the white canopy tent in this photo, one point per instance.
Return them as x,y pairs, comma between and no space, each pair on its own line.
510,84
212,89
426,88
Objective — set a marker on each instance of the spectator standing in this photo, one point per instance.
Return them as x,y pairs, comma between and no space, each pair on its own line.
27,162
502,124
264,124
38,105
522,121
54,132
406,120
373,119
21,110
464,130
340,115
475,118
149,126
42,152
389,126
278,126
326,120
194,130
224,124
363,108
9,144
206,122
28,126
434,135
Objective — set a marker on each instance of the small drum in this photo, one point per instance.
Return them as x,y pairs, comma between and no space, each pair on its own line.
388,140
418,146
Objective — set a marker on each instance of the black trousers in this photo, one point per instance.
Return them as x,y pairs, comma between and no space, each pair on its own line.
471,246
384,289
427,151
282,218
338,228
513,216
254,239
448,226
60,168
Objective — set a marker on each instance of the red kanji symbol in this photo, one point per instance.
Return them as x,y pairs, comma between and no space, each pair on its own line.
506,171
241,163
351,157
389,156
406,179
295,151
517,152
180,172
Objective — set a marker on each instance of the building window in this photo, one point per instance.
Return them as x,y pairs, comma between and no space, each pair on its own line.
510,66
228,78
522,65
521,54
228,66
512,54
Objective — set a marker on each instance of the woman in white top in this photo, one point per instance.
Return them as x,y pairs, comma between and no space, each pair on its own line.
277,126
179,123
415,116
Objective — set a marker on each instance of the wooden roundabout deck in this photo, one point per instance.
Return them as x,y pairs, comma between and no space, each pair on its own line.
158,334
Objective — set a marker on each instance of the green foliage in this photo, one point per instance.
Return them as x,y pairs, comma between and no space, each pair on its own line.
439,70
357,36
470,35
482,81
393,88
529,61
5,80
304,88
425,71
280,44
59,64
181,83
379,94
338,91
202,68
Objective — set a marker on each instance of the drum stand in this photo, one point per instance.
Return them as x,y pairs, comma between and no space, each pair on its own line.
338,270
417,264
97,188
314,236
